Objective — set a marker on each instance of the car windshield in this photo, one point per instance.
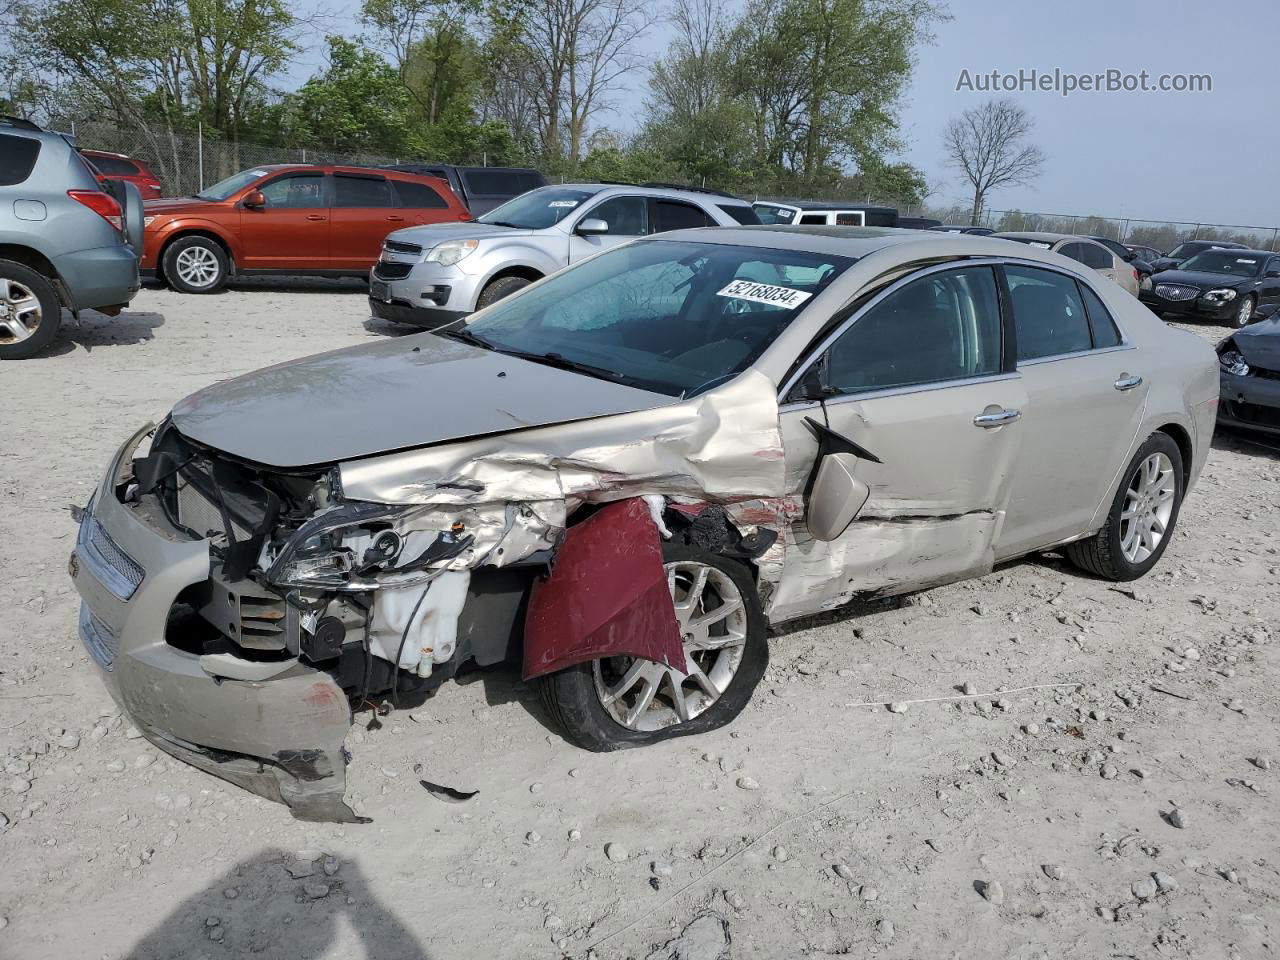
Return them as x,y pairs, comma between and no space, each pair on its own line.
674,317
225,188
1227,262
770,213
537,209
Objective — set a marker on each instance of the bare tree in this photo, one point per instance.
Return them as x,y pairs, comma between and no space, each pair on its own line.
988,145
573,55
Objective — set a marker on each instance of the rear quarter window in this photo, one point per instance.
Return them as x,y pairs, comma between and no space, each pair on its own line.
419,196
17,158
740,212
498,183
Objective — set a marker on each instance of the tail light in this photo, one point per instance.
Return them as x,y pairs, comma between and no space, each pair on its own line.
1136,277
104,205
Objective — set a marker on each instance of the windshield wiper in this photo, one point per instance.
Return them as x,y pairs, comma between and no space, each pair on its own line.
466,336
561,362
499,223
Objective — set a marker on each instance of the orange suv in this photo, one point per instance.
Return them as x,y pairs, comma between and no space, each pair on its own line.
291,219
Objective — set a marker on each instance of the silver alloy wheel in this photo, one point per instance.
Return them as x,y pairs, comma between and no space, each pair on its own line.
646,695
1148,506
20,311
197,266
1244,312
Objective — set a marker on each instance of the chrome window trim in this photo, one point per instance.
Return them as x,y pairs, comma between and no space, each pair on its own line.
1091,352
917,388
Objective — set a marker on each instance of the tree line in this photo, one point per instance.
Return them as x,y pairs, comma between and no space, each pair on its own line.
791,97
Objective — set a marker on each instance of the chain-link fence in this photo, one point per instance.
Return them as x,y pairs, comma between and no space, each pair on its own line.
186,163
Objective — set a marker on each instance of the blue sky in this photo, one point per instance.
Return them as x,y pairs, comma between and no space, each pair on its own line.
1205,157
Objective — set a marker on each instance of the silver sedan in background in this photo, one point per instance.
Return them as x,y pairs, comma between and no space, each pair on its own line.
619,477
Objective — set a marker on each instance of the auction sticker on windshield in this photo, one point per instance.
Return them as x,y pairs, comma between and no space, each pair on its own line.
764,293
563,203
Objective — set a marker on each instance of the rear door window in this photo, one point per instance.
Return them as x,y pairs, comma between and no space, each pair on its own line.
114,166
1048,313
357,191
740,212
1096,256
418,196
814,218
674,215
17,158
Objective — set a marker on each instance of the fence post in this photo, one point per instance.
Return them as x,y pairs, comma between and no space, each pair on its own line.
1274,231
200,152
1195,234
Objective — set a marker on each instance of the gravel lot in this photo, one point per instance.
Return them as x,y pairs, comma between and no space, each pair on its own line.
1133,816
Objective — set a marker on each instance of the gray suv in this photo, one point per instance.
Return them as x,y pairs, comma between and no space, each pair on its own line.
65,241
432,275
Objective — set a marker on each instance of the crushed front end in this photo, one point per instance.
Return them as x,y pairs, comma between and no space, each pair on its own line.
236,613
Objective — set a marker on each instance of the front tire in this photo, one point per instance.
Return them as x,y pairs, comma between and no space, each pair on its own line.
621,702
1244,313
1142,516
500,288
30,313
196,265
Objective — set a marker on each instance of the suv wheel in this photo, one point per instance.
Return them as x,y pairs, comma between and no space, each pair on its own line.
30,314
195,265
502,287
619,702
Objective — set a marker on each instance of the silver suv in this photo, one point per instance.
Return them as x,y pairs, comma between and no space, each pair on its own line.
432,275
64,239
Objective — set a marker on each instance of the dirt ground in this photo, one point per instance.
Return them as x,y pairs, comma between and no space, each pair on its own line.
1135,815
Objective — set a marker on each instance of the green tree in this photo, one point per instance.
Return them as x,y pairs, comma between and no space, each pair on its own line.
357,104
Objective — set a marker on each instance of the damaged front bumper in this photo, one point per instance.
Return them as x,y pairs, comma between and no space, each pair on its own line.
280,737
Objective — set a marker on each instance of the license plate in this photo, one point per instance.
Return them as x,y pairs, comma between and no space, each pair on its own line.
379,290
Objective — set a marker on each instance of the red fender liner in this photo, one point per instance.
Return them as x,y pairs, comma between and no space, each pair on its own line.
607,596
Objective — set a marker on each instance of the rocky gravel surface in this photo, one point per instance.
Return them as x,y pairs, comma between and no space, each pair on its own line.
1033,764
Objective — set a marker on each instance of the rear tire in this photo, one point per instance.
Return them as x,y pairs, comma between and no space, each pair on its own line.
1142,516
30,314
195,265
575,697
502,287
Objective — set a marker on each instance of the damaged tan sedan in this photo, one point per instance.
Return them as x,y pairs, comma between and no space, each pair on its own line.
619,478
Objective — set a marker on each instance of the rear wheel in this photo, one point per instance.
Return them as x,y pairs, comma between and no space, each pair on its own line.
619,702
1142,516
502,287
30,314
195,265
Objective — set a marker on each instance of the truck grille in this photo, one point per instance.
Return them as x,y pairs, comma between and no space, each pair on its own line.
113,568
1176,291
99,639
384,270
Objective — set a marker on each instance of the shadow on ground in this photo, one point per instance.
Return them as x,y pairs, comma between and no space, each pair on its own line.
257,908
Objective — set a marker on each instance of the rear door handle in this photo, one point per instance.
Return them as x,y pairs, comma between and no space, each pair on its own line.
397,219
1127,382
316,216
997,419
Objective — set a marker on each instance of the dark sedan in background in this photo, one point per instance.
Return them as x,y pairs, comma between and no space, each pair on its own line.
1190,248
1249,378
1224,285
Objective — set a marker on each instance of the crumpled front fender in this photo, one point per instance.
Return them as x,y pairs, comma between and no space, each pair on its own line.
607,596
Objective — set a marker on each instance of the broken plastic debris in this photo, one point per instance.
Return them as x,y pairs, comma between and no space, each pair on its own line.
447,794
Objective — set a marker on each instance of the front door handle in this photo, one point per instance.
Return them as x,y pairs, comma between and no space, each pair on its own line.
316,216
997,419
396,219
1127,382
